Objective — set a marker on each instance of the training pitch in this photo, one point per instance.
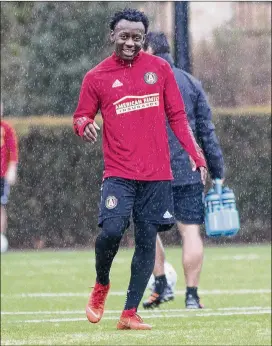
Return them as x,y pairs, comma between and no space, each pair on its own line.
43,298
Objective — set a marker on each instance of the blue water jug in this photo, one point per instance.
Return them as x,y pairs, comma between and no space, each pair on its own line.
221,215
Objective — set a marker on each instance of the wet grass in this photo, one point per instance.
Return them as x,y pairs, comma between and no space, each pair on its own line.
43,295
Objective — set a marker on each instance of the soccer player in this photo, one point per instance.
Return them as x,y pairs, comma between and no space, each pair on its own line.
133,90
188,188
9,160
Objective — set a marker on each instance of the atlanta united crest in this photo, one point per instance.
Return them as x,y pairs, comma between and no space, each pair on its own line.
111,202
150,78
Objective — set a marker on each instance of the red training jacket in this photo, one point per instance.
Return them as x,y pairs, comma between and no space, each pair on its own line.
9,149
133,98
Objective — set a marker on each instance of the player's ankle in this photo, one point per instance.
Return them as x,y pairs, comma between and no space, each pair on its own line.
102,285
160,283
129,313
192,290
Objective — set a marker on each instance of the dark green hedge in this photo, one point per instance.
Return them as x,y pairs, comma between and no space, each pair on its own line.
56,198
58,191
246,144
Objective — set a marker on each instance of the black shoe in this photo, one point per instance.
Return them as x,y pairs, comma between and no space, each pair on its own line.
156,299
193,302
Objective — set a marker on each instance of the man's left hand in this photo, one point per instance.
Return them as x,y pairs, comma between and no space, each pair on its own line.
11,175
203,174
202,170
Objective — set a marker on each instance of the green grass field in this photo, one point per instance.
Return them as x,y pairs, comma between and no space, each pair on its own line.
43,297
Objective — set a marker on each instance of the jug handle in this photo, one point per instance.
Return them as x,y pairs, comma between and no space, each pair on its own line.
218,186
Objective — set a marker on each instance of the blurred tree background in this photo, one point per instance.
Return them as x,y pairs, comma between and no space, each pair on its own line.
46,48
236,70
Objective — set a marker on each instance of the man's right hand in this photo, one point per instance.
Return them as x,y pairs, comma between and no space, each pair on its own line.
90,133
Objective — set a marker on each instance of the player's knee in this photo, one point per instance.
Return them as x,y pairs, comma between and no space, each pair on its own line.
145,235
189,231
114,228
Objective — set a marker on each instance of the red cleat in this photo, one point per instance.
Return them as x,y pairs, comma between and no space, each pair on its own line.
96,303
130,320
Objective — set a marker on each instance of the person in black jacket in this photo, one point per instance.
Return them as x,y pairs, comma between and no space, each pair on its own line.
188,190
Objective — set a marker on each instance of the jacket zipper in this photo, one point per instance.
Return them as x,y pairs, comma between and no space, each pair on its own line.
130,74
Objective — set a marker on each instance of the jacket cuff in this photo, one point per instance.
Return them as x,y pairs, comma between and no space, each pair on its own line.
201,163
80,124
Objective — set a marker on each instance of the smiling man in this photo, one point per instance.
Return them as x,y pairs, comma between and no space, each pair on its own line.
133,91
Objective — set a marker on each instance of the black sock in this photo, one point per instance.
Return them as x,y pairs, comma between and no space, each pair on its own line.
192,291
160,283
142,263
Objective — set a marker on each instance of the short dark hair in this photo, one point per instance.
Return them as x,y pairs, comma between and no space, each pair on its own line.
157,41
131,15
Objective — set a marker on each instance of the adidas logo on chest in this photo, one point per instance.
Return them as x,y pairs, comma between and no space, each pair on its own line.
117,84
